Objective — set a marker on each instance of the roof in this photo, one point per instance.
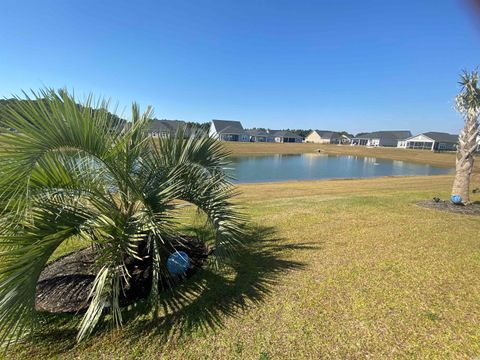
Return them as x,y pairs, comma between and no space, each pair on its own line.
284,133
228,126
396,134
258,132
166,126
326,134
440,136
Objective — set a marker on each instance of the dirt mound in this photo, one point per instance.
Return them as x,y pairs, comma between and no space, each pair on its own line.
65,284
442,205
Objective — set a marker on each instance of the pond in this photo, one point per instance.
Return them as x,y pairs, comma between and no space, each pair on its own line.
250,169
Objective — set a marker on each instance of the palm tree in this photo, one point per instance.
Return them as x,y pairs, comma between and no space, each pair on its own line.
72,172
468,104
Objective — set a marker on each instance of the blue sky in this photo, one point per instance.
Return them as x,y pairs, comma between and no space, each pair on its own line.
328,64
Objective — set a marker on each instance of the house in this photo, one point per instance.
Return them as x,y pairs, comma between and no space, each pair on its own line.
346,138
260,135
381,138
281,136
228,130
164,128
434,141
323,137
285,136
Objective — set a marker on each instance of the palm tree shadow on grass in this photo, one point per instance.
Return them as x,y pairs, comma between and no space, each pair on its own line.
204,301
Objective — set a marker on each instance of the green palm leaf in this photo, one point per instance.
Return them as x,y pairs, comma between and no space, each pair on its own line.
72,171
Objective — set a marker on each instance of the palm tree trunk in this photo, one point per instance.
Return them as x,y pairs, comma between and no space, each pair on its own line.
464,164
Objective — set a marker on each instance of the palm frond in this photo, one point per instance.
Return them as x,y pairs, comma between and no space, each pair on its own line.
25,250
73,170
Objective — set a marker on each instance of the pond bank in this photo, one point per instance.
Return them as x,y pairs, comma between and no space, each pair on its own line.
446,159
316,166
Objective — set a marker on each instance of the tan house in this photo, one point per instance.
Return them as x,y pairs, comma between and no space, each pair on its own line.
323,137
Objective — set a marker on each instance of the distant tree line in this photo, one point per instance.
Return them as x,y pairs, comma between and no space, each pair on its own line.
116,120
205,126
202,126
302,132
5,104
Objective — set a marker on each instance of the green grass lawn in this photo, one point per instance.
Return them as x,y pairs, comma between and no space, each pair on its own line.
334,269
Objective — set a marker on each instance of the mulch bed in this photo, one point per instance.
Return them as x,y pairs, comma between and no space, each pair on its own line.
442,205
65,284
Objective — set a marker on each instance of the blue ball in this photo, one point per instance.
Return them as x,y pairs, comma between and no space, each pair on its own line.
456,199
178,263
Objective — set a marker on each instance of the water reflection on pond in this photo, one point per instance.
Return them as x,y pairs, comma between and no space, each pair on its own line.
248,169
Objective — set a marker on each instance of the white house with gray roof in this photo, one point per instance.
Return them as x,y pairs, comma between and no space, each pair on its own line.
381,138
434,141
228,130
285,136
164,128
280,136
260,135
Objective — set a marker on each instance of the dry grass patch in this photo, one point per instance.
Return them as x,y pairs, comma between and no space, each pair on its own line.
257,148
